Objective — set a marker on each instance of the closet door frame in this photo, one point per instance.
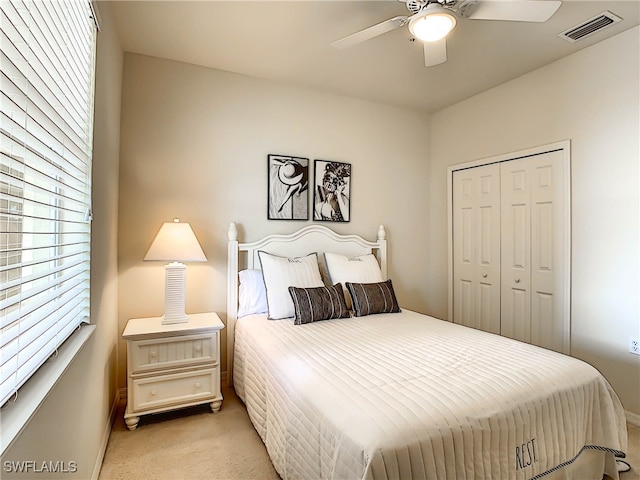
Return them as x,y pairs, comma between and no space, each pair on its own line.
565,148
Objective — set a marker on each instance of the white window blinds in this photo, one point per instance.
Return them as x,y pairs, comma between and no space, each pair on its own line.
48,50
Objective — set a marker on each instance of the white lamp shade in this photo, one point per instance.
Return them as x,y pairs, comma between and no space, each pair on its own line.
433,24
176,242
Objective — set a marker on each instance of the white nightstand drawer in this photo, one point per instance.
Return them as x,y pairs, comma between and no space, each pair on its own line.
179,388
162,353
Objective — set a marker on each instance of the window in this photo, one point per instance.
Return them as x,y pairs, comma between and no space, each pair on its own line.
48,51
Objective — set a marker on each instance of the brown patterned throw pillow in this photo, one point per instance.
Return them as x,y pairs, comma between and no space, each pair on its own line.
370,298
318,303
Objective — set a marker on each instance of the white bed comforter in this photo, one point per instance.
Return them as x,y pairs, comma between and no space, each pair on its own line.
407,396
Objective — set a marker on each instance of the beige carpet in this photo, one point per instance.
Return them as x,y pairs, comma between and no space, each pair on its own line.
188,444
195,444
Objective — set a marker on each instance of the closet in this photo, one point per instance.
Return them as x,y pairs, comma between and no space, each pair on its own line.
510,246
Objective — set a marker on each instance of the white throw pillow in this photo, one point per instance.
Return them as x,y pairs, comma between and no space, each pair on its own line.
252,295
360,269
280,273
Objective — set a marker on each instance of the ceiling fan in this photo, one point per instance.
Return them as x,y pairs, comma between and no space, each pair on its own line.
432,20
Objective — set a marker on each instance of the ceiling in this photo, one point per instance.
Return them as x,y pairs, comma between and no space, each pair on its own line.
289,41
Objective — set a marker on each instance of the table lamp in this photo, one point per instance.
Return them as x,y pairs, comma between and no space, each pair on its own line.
176,243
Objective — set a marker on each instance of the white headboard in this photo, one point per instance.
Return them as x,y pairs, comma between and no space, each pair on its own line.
312,238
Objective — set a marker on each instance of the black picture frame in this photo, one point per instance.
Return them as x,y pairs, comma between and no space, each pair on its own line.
287,188
332,191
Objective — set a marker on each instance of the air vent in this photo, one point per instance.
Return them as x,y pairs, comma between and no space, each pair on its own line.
589,27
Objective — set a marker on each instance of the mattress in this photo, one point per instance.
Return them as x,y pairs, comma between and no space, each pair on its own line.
407,396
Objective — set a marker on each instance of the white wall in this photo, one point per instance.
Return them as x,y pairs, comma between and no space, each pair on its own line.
195,143
591,98
73,423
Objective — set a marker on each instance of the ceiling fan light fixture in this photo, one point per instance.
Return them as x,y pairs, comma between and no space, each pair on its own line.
432,24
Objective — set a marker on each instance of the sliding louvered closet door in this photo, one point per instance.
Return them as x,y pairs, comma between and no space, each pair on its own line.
509,260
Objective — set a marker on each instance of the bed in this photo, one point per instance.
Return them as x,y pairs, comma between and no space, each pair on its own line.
403,395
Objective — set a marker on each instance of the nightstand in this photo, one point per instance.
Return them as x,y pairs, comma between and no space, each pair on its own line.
172,366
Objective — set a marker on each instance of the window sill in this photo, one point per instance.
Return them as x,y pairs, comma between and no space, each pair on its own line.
16,415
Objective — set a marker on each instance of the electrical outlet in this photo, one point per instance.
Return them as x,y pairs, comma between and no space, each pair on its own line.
634,346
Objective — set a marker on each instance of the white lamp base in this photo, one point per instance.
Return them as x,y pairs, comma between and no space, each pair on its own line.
174,293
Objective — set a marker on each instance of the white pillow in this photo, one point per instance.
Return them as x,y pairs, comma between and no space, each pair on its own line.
280,273
252,295
360,269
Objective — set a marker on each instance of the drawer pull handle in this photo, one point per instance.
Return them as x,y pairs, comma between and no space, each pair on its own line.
197,384
153,393
153,354
198,348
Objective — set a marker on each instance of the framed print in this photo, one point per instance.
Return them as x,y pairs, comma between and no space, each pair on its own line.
288,188
332,191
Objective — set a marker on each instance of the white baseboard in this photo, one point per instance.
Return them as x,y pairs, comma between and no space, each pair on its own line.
105,436
632,418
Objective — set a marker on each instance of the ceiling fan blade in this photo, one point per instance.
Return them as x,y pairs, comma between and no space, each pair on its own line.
514,10
435,53
371,32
